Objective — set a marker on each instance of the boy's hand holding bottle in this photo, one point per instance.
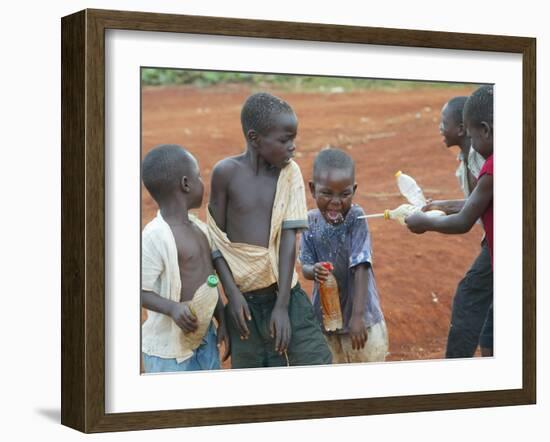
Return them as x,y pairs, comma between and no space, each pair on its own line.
320,272
183,316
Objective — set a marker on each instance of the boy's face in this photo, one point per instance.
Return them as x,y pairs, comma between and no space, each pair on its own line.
481,135
333,191
196,186
452,132
277,145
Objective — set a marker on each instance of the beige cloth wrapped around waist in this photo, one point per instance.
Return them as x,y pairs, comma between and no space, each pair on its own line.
250,265
163,338
255,267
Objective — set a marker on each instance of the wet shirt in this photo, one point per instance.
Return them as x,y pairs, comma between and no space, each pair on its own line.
345,245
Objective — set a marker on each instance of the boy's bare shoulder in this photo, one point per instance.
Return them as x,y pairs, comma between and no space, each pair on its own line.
226,168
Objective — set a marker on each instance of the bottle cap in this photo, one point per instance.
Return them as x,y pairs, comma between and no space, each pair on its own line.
212,281
387,214
328,265
398,173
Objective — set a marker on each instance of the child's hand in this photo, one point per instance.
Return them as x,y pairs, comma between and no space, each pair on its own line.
358,332
417,222
239,313
184,317
320,273
280,328
436,205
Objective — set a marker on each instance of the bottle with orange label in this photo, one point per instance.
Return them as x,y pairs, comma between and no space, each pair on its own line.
330,301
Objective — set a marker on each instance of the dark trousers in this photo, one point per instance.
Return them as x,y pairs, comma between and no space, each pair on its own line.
473,297
307,345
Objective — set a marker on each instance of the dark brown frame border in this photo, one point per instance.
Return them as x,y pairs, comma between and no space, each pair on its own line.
83,218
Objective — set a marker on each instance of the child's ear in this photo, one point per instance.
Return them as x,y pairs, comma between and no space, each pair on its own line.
461,130
185,184
487,130
354,188
311,185
252,137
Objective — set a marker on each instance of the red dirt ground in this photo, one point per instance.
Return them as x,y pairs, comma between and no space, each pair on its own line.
384,131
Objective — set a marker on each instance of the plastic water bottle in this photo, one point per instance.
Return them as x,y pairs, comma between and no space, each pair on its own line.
404,210
410,190
330,301
400,213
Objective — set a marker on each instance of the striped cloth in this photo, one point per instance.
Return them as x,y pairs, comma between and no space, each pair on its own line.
255,267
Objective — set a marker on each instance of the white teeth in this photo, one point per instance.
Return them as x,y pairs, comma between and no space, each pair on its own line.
335,216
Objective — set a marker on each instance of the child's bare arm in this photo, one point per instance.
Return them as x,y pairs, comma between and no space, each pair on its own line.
180,312
280,322
450,207
238,308
221,176
463,221
357,329
308,271
223,336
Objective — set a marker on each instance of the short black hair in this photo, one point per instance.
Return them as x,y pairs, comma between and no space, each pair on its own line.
162,169
259,109
332,158
455,107
479,106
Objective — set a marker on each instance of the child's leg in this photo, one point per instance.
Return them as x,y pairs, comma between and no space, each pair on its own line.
375,349
334,342
207,355
154,364
474,295
252,352
486,337
308,345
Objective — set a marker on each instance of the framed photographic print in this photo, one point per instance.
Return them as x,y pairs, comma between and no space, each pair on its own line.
132,81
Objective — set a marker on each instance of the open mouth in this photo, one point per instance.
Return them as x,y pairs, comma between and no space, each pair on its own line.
334,216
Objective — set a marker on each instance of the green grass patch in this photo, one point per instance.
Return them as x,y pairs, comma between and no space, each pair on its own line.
296,83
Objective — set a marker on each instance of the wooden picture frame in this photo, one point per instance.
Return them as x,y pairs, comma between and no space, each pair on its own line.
83,219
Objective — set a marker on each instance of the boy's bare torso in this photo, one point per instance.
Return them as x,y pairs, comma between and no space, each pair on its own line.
194,258
249,198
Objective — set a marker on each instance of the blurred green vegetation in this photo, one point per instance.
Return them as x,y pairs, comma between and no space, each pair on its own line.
166,77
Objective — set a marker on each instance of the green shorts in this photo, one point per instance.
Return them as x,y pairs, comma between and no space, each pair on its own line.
308,345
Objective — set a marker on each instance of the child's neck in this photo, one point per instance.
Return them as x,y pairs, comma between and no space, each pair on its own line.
465,145
256,161
175,211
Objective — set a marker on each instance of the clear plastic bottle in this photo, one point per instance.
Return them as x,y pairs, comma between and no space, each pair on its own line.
410,190
404,210
330,301
400,213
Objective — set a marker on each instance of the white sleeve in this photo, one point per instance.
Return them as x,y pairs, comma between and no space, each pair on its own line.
152,264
